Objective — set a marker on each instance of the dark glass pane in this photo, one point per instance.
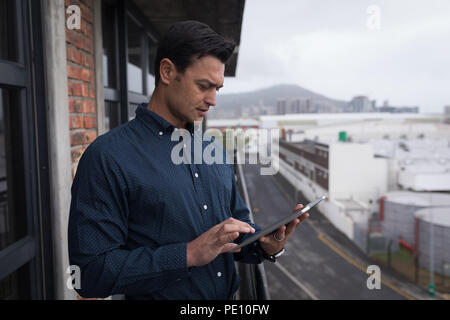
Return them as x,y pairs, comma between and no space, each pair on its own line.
8,31
16,285
134,67
112,115
13,222
109,46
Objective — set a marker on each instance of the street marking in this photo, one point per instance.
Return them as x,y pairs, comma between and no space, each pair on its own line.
351,261
298,283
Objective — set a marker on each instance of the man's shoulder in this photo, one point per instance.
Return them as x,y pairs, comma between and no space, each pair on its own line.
110,142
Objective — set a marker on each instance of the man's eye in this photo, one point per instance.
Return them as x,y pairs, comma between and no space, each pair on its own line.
202,87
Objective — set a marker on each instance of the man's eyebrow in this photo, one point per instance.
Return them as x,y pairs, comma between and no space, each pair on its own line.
210,83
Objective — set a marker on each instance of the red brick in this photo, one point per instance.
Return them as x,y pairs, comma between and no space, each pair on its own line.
86,13
74,73
84,90
88,45
76,89
88,61
90,122
91,92
74,38
87,75
88,3
76,106
76,122
86,29
82,138
89,106
90,136
75,56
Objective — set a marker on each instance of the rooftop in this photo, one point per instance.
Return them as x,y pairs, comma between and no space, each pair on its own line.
437,216
425,199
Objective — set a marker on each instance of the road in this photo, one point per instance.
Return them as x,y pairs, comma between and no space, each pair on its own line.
314,266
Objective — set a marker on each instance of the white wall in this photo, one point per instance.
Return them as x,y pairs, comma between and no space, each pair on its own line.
54,38
330,209
355,173
424,181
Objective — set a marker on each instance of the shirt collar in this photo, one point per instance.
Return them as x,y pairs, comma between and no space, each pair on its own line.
155,122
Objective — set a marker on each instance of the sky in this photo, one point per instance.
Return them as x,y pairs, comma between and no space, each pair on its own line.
394,50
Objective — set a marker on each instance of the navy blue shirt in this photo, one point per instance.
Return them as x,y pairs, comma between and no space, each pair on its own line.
133,211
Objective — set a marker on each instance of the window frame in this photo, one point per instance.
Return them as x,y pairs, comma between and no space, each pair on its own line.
27,77
124,10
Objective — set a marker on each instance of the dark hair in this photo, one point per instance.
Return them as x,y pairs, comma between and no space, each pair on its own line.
189,40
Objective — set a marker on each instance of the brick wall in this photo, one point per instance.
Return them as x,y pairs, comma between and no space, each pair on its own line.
81,82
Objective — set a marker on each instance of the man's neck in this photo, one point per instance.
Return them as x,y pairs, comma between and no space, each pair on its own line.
158,106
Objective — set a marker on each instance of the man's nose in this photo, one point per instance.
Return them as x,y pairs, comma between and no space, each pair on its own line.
210,98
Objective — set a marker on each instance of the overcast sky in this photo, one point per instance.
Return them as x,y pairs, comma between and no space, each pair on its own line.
338,49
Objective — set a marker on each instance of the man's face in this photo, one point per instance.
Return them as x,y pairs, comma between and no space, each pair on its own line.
191,94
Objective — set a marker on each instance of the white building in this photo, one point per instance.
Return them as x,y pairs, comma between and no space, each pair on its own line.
383,152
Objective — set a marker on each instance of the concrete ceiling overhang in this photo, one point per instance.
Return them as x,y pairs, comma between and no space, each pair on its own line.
223,16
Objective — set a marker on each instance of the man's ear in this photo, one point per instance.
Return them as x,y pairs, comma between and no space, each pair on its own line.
167,71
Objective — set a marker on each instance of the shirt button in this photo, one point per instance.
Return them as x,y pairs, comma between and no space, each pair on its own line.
196,175
205,207
219,274
160,133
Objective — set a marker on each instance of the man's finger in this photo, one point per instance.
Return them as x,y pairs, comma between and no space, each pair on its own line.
232,221
280,234
229,246
227,228
291,226
298,207
227,238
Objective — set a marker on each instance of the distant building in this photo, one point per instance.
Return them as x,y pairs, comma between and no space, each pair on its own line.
447,114
281,106
296,106
391,109
360,104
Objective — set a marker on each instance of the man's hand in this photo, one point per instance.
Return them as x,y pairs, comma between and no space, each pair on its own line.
215,241
274,242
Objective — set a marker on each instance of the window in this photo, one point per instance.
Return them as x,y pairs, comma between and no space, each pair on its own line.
16,285
8,31
109,46
112,115
151,66
25,225
128,58
13,220
134,67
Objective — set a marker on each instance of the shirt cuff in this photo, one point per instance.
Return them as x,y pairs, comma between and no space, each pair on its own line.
173,257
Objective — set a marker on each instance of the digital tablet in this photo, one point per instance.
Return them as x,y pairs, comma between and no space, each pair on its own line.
278,224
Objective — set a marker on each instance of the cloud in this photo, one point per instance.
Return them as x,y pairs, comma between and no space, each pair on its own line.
328,48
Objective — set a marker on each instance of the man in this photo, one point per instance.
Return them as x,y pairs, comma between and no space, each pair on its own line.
147,228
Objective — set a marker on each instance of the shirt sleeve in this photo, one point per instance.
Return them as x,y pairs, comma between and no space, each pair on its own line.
250,253
97,234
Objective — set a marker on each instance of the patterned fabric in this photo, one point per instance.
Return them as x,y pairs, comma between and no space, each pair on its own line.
133,211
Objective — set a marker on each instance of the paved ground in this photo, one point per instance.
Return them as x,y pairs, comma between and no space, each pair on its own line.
320,262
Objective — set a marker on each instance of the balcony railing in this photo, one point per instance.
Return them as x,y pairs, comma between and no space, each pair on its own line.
253,276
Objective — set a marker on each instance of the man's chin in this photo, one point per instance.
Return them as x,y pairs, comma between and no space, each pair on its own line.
199,119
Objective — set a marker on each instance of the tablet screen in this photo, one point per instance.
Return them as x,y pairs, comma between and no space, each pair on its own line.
278,224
